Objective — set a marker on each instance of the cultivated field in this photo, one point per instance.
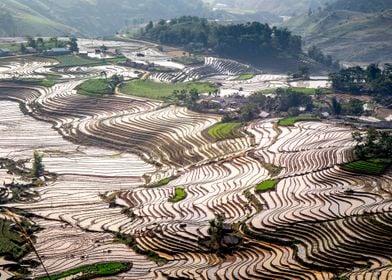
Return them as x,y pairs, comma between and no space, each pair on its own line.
138,181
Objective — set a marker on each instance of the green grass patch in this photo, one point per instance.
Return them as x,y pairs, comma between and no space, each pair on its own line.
13,47
93,271
161,91
370,166
179,195
267,185
310,91
73,60
46,83
290,121
162,182
245,77
95,87
221,131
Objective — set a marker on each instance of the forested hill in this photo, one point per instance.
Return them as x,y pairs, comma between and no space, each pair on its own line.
363,6
87,17
252,42
354,31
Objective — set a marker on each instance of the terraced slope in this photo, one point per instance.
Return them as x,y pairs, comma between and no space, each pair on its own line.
319,221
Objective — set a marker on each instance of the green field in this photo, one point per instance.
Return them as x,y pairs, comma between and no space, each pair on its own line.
11,47
221,131
290,121
310,91
39,82
95,87
15,47
267,185
92,271
179,195
155,90
371,166
162,182
245,77
73,60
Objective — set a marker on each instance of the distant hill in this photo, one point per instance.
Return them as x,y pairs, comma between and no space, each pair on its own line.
87,17
280,8
354,31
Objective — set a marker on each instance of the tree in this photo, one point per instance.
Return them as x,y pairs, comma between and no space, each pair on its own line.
216,231
194,94
149,26
373,72
353,107
54,41
336,107
22,48
31,42
115,80
304,71
40,43
248,112
38,167
73,44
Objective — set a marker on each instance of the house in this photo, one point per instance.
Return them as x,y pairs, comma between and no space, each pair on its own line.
4,52
30,50
83,53
58,51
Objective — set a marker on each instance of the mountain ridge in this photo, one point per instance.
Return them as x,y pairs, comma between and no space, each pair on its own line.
355,34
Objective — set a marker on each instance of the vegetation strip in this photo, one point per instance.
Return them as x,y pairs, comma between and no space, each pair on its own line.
290,121
371,166
227,130
155,90
92,271
244,77
72,60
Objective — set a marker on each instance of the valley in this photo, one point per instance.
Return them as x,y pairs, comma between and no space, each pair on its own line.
143,185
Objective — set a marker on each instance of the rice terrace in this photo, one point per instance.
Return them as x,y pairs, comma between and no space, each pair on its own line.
132,158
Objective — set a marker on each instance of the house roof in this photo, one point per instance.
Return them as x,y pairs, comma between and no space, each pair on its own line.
59,50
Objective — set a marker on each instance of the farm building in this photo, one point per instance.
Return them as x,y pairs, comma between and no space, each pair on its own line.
4,52
57,51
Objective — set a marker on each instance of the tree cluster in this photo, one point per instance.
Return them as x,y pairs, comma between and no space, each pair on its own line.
115,80
317,54
374,144
284,101
371,80
354,107
40,44
237,40
188,98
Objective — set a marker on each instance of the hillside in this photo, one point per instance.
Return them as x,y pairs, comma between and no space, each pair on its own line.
17,18
271,48
280,8
352,31
86,17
